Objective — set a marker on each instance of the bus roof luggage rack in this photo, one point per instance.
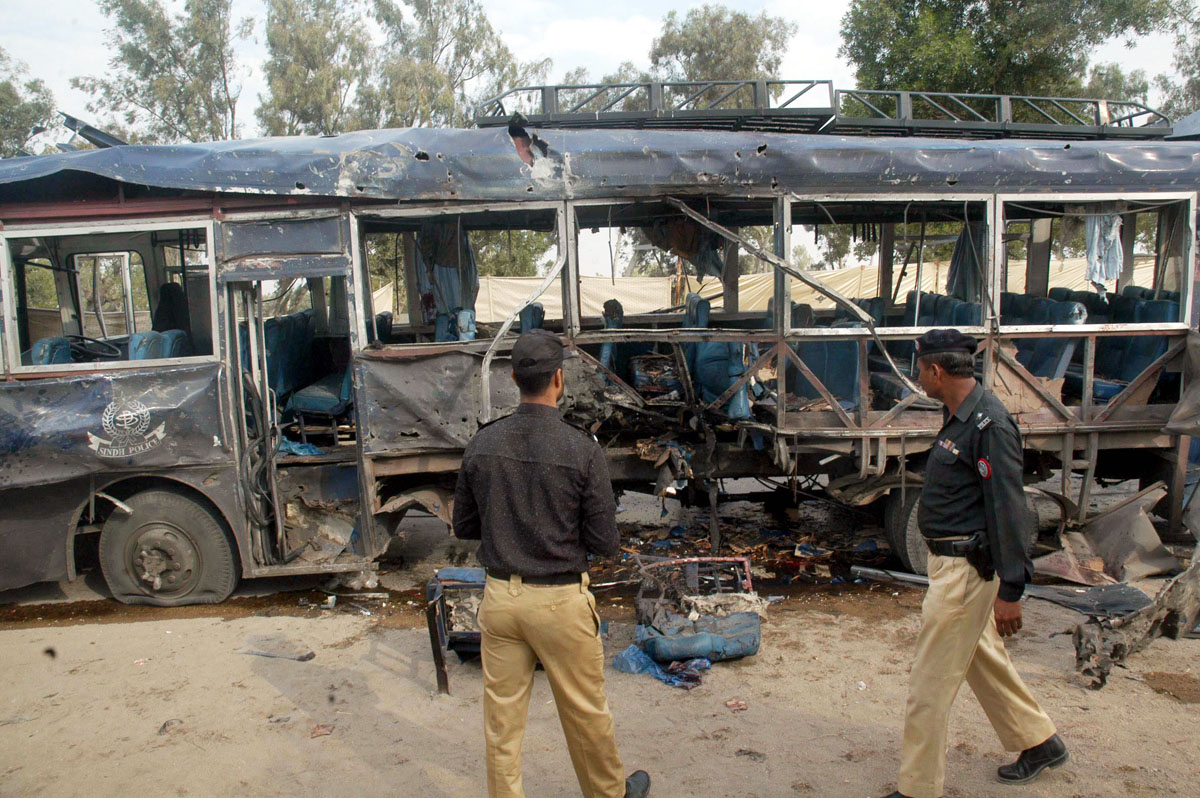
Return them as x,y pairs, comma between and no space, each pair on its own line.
814,106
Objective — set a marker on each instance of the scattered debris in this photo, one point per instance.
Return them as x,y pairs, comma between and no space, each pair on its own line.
278,718
752,755
1101,643
736,705
321,730
50,652
168,725
354,580
1109,601
684,673
1118,544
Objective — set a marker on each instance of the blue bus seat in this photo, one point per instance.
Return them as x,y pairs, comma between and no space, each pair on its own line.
146,346
176,343
47,351
532,316
834,363
329,396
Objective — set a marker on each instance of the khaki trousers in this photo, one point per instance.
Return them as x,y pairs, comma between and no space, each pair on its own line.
557,625
959,639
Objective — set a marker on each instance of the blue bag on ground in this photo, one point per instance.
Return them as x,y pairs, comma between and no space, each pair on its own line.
675,637
680,674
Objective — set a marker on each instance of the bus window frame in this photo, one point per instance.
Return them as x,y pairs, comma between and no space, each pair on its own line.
361,277
1187,278
10,344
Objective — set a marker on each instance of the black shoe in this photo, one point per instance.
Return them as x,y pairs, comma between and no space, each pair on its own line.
1032,761
637,785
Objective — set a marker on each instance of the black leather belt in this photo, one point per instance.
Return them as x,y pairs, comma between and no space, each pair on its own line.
552,579
953,548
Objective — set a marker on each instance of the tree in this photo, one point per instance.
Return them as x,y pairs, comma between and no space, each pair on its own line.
714,43
439,59
319,55
26,106
172,78
1181,91
1110,82
1032,47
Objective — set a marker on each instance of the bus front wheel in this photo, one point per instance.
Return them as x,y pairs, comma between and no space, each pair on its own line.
171,550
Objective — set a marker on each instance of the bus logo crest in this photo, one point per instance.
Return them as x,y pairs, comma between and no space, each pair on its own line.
125,424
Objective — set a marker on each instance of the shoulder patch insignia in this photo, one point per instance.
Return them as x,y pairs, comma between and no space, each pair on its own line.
985,468
984,423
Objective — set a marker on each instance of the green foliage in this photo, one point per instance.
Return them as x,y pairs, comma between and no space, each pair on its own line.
1110,82
40,290
319,56
172,78
1181,91
512,253
438,60
1037,47
26,106
715,43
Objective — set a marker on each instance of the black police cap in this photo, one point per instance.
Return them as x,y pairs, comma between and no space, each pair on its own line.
537,352
937,341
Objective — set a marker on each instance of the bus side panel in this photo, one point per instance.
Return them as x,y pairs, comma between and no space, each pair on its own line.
59,436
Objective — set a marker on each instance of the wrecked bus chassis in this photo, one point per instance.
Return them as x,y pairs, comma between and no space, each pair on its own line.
173,421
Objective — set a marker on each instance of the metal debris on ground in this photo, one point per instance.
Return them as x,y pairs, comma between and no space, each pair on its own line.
1102,643
321,730
168,725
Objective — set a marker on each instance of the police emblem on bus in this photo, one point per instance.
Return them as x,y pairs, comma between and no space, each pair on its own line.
126,424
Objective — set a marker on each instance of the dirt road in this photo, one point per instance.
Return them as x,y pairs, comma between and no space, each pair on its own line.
161,702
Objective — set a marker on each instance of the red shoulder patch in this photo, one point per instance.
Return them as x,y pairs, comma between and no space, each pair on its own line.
985,468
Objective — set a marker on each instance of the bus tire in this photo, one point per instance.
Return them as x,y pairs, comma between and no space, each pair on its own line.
900,521
170,551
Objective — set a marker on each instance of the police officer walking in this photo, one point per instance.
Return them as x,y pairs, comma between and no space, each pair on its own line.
973,515
535,492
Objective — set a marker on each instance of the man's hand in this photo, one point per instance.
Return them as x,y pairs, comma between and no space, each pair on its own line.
1008,617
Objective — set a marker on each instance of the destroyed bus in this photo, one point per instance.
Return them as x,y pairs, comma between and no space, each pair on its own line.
199,369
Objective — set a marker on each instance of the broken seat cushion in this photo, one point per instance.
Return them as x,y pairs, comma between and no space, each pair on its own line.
675,637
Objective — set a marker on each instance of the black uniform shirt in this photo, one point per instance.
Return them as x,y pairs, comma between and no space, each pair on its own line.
973,483
535,492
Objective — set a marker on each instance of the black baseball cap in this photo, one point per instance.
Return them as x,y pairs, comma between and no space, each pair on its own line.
937,341
537,352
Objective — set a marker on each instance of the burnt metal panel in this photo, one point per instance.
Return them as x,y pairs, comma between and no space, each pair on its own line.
427,402
483,164
324,235
277,268
61,428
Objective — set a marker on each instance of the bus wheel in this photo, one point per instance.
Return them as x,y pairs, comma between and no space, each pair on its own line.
171,550
900,521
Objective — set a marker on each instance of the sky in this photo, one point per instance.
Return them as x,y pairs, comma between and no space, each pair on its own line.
61,39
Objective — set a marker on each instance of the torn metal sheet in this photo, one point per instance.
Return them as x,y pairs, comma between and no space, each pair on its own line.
434,400
1126,539
1107,601
484,164
1101,644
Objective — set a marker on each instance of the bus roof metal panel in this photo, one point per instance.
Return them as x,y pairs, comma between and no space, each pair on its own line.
483,164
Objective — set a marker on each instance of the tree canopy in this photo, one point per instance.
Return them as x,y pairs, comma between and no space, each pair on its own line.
319,56
26,106
1033,47
171,78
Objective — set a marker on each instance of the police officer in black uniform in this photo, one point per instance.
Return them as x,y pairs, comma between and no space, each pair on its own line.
974,518
535,492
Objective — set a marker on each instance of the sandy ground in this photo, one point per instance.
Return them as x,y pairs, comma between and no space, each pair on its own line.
142,700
